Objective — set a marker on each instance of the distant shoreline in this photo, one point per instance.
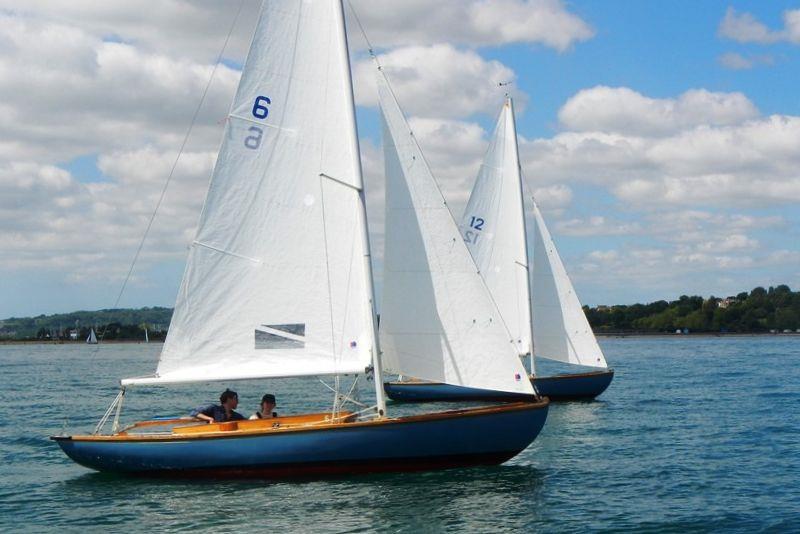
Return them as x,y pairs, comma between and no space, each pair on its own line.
697,334
64,342
598,334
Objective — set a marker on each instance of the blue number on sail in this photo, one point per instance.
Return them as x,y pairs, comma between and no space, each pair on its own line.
476,223
260,110
253,141
470,237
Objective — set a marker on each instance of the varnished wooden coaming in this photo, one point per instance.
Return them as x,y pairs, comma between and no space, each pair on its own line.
257,427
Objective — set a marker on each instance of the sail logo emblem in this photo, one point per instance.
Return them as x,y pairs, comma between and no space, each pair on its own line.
280,336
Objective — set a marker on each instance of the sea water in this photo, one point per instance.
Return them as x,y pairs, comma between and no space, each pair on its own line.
694,434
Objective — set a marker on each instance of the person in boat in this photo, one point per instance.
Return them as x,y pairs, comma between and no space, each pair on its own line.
267,405
221,413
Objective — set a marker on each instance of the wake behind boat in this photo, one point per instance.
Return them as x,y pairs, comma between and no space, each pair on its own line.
278,283
544,317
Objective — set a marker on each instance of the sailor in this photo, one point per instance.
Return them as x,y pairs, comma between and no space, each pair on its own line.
267,405
213,413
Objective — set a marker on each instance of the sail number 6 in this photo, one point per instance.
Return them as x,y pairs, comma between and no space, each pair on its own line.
260,111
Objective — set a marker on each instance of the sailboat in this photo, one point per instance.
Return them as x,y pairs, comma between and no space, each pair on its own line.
92,339
552,323
278,283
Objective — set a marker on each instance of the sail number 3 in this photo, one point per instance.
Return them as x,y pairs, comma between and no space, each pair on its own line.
260,111
476,225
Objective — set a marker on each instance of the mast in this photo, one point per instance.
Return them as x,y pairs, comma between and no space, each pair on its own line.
524,251
367,259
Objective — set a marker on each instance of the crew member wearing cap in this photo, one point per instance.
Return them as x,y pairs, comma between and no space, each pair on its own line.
267,405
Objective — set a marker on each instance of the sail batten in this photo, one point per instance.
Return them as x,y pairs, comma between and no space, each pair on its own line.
279,243
438,321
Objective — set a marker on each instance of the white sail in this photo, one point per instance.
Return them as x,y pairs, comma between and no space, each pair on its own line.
92,339
560,328
493,227
275,283
438,321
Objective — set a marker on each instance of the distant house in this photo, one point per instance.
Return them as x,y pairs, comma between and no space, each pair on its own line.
727,301
73,335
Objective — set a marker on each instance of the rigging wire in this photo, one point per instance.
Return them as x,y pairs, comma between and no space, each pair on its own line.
174,164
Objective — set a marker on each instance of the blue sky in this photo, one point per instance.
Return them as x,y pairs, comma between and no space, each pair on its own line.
658,137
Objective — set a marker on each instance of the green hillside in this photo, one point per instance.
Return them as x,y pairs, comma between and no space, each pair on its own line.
759,311
117,324
776,309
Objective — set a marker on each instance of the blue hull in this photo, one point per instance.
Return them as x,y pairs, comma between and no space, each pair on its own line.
558,388
481,436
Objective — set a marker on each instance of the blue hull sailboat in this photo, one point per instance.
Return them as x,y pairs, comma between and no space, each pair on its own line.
564,387
483,436
278,283
538,305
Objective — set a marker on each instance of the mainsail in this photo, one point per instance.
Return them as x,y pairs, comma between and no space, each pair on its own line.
560,328
438,321
493,227
276,282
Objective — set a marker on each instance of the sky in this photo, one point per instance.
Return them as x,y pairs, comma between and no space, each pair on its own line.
661,139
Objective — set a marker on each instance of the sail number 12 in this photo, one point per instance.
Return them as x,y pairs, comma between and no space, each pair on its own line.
260,111
476,225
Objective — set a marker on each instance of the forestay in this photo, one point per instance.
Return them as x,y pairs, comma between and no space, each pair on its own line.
438,321
560,329
493,227
275,281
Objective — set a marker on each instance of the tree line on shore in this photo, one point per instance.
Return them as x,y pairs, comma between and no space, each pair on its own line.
122,324
776,309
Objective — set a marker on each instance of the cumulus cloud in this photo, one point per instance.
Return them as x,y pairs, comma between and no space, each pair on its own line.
745,28
471,22
437,81
698,149
92,229
120,95
184,29
597,225
554,197
623,110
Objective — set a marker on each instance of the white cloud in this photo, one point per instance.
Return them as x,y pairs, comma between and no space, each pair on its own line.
183,29
436,81
734,61
82,95
91,229
699,149
596,225
745,28
554,197
622,110
471,22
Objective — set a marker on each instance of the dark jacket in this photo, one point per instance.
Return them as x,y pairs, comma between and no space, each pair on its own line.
218,413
